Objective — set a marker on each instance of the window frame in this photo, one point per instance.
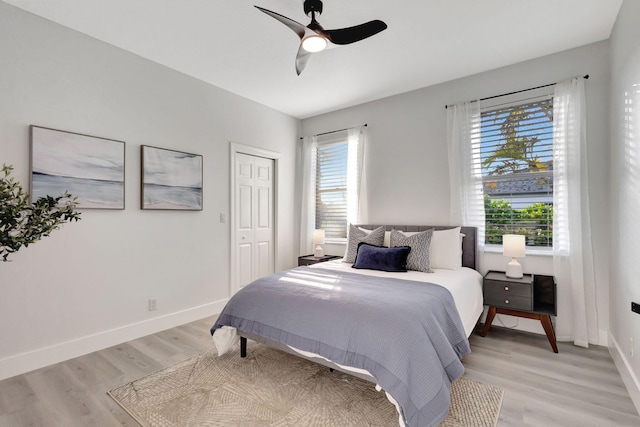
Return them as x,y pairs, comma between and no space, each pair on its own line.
334,138
507,101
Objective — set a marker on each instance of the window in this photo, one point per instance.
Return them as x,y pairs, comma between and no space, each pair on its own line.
516,150
336,183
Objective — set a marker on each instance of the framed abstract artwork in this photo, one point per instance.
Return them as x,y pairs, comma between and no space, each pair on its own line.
90,168
171,180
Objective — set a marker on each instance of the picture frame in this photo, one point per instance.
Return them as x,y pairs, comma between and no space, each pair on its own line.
88,167
171,180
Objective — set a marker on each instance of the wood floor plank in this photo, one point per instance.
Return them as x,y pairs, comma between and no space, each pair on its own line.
576,387
95,370
15,394
32,415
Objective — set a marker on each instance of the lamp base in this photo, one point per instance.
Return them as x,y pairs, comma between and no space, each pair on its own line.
514,269
318,252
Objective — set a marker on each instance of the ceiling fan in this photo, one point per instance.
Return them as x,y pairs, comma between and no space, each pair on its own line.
314,38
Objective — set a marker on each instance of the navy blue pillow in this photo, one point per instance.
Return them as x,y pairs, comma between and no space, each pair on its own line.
382,258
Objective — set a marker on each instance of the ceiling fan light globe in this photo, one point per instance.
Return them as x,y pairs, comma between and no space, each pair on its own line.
314,43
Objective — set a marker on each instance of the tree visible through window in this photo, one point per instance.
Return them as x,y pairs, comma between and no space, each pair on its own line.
516,149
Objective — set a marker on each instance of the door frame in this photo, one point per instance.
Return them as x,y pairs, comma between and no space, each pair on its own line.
235,149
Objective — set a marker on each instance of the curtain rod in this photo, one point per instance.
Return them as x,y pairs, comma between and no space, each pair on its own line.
333,131
586,76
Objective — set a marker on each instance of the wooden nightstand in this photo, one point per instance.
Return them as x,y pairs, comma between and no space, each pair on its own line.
310,259
532,297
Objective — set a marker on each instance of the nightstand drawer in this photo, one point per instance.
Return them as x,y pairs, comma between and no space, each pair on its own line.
507,289
509,301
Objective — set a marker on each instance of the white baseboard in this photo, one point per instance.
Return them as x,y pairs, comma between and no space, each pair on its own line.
45,356
628,376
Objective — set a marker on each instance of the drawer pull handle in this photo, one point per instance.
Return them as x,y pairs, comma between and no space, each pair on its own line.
506,288
506,301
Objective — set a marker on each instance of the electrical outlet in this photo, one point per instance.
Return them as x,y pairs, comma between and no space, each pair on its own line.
223,218
153,304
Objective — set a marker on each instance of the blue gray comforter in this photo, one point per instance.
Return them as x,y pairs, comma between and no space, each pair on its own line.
407,334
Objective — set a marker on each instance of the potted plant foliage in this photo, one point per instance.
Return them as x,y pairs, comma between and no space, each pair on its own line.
22,222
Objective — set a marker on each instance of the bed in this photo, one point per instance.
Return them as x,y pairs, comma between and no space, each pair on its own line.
404,331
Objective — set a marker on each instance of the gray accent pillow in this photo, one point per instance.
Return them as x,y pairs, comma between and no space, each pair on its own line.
375,237
418,258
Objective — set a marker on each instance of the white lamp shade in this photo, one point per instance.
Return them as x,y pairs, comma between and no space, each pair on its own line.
513,245
318,237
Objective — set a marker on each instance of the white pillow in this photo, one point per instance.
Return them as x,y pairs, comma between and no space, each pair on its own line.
387,239
446,249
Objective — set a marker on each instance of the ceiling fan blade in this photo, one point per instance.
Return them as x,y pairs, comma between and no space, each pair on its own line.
333,38
297,27
357,33
301,59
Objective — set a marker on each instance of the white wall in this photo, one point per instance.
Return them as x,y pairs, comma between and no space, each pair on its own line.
625,195
407,169
87,285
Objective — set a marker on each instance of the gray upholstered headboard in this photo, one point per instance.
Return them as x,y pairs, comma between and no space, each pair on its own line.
468,242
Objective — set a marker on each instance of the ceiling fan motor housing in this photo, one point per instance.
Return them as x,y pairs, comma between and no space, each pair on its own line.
311,6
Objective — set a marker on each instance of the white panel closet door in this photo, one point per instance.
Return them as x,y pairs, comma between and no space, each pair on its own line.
255,218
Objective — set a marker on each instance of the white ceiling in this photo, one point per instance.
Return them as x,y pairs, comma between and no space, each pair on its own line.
232,45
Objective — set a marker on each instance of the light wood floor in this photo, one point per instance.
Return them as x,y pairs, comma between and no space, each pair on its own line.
577,387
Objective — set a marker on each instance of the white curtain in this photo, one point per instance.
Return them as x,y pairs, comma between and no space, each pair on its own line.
308,196
357,211
465,169
572,247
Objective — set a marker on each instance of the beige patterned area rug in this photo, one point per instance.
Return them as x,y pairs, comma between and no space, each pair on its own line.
273,388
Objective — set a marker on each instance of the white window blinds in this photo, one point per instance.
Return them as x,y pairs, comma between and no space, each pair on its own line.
334,171
516,149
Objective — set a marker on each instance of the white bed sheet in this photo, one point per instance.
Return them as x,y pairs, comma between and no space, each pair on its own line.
465,285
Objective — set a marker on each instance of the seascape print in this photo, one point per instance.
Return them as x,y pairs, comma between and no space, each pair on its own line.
171,179
88,167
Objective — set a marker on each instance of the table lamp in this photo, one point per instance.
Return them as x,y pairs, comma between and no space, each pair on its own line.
318,241
513,245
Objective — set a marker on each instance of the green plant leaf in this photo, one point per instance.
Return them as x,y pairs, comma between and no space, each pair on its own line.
23,223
